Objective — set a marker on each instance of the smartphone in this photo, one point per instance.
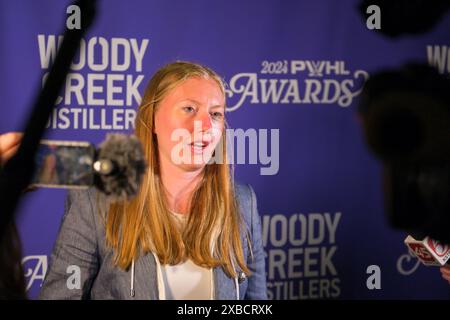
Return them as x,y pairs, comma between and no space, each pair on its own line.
64,164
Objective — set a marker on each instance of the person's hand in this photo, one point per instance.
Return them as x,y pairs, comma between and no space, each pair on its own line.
445,270
9,143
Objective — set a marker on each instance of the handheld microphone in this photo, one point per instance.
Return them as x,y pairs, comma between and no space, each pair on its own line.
116,168
429,251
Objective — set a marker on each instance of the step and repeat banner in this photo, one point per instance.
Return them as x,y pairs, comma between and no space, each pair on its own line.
294,71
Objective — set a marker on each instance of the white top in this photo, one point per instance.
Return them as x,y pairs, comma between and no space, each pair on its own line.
186,281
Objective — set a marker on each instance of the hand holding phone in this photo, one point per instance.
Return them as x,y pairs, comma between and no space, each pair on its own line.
116,168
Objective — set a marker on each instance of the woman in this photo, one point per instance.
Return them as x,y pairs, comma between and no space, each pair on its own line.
191,233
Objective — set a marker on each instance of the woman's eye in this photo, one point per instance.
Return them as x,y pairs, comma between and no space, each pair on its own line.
217,115
189,109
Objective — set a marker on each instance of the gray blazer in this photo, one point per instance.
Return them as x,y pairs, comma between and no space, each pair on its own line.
81,242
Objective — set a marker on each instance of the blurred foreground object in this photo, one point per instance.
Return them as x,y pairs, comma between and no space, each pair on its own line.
406,121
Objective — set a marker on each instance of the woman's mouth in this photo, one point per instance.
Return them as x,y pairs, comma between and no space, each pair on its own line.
199,146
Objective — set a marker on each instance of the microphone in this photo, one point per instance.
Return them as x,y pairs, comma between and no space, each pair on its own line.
429,251
116,168
120,166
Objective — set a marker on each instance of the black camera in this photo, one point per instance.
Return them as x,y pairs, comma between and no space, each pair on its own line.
406,121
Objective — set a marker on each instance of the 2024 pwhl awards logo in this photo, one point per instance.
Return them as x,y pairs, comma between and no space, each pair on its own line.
297,82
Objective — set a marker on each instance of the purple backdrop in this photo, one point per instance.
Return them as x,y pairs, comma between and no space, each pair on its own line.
296,66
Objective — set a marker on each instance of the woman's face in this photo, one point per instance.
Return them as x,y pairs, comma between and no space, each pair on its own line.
189,123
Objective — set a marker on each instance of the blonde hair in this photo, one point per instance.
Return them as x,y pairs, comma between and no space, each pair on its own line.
211,237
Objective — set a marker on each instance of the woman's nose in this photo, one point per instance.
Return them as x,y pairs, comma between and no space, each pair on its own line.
204,121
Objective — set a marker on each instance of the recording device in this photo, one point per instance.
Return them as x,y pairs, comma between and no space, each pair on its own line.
406,121
429,251
64,164
115,168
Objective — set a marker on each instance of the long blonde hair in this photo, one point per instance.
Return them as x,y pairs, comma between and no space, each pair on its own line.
212,234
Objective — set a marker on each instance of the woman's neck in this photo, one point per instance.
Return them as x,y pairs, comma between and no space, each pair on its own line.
179,185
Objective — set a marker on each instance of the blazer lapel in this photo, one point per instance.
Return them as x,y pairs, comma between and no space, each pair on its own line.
224,288
146,281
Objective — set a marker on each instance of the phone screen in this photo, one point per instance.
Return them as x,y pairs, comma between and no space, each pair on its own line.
64,164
